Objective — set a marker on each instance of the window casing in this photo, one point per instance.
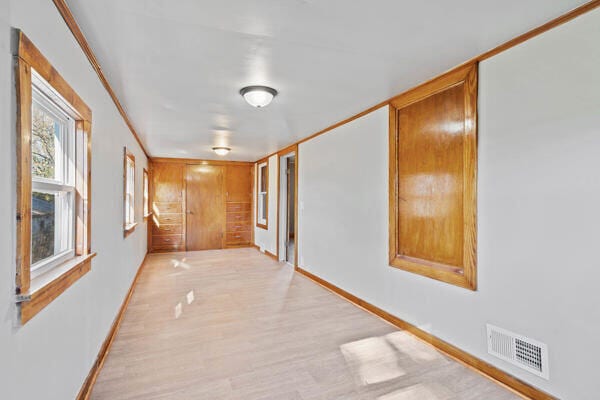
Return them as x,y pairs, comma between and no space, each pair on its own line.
128,193
53,182
262,200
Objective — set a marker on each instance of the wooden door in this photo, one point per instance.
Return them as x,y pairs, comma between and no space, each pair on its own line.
238,184
205,202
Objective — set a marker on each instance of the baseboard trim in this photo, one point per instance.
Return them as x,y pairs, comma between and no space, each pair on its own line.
88,384
266,252
486,369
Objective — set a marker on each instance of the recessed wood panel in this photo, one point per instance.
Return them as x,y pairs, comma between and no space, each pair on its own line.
238,183
433,160
167,180
238,207
205,200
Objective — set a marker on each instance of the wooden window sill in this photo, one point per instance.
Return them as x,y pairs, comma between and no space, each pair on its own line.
129,229
48,286
262,226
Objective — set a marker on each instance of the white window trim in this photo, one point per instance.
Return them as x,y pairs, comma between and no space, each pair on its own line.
63,182
262,212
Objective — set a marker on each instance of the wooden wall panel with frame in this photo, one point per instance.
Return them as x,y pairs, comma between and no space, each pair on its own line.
432,179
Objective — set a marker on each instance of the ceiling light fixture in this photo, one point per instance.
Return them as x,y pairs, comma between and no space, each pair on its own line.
221,151
258,96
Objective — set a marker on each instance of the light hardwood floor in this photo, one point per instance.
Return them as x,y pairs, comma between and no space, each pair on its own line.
235,324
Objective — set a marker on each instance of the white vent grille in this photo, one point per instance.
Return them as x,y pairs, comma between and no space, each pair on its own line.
523,352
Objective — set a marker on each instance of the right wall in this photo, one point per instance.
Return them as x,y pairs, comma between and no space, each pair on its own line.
538,212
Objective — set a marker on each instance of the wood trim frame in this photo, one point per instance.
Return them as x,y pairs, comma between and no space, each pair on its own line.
195,161
128,229
258,164
484,368
37,294
290,149
88,384
69,19
568,16
466,276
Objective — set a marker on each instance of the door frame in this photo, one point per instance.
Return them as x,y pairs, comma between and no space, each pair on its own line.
282,205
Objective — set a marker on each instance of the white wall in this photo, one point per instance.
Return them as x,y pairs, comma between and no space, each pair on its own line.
50,357
266,239
538,199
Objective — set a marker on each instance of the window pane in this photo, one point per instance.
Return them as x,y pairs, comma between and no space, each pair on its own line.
45,141
51,224
263,178
263,208
43,213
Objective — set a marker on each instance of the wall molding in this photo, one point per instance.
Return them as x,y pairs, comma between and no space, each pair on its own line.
67,15
90,380
520,387
197,161
566,17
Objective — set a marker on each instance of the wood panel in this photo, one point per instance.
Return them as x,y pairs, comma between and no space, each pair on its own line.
238,184
433,177
205,198
167,189
239,205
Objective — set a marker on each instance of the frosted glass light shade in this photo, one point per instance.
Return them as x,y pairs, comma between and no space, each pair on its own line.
258,96
221,151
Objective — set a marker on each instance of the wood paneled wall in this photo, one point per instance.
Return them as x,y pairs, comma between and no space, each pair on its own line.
169,198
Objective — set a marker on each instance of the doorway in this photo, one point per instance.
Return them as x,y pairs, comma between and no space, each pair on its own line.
287,208
205,203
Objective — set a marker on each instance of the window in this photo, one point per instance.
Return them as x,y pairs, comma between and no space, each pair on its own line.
262,206
146,195
433,158
53,182
128,193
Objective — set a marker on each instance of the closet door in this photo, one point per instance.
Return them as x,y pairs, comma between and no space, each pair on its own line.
205,203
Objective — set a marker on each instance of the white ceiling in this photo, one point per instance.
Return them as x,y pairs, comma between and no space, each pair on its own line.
177,66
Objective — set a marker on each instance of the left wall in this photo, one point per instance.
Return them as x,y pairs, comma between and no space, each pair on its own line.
50,357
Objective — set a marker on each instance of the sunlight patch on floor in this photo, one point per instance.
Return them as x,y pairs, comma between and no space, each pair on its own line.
374,360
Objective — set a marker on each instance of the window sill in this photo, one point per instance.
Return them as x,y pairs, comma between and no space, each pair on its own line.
48,286
262,226
128,230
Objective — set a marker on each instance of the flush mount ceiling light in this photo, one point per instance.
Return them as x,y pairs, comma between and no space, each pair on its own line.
258,96
221,151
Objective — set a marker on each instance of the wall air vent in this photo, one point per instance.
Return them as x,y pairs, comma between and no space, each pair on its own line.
518,350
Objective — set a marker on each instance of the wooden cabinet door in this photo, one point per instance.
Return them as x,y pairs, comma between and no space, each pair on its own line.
205,203
238,186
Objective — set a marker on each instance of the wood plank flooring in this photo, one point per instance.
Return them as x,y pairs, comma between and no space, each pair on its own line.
235,324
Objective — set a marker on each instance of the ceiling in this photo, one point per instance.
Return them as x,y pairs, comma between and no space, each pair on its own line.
177,66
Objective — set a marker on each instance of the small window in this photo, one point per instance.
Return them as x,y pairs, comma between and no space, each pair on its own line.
129,193
263,195
146,195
